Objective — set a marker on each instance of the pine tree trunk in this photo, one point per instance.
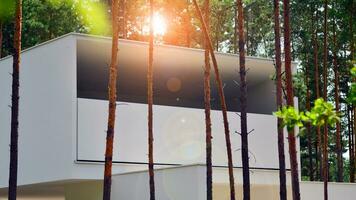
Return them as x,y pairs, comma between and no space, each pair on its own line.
12,193
243,103
325,82
281,155
290,102
150,107
235,28
354,141
209,168
318,166
309,134
340,175
351,145
352,51
222,100
112,102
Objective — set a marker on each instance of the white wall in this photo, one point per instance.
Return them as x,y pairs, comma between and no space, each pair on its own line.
337,191
179,135
183,183
48,125
46,114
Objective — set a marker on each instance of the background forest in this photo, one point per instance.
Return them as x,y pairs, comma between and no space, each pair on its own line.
47,19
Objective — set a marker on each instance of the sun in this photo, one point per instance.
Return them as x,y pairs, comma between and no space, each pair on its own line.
159,24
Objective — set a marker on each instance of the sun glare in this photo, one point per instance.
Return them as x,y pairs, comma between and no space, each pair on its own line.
159,24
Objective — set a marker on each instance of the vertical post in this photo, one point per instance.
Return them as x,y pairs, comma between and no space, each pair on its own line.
243,104
290,102
112,102
325,91
209,168
15,104
150,106
222,101
280,132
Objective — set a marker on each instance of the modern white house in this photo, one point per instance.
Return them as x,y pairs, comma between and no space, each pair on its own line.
63,116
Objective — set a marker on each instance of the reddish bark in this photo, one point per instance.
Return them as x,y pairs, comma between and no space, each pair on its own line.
209,168
309,134
243,103
222,100
340,175
325,91
290,102
12,190
281,155
112,103
352,50
318,166
150,107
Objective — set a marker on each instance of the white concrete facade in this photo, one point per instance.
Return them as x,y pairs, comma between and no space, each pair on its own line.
188,183
63,115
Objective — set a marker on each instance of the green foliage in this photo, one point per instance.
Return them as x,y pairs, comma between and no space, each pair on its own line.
322,113
291,117
352,94
7,10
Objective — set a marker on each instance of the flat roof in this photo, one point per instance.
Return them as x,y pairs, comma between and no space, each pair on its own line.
178,74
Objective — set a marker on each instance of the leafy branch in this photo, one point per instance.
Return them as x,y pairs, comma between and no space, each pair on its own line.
322,113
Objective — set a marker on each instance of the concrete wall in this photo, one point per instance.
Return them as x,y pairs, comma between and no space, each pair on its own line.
337,191
188,183
176,183
52,149
179,135
85,190
46,114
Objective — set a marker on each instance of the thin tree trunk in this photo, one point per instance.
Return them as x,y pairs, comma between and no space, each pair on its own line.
150,107
352,50
243,103
281,155
235,28
12,191
351,143
290,102
308,107
309,136
112,102
354,136
318,166
340,175
247,36
222,101
325,90
209,168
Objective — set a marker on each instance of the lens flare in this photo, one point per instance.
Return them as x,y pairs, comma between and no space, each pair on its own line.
159,24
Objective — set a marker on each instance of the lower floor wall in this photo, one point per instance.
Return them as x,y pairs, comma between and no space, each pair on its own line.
180,183
258,192
84,191
78,190
336,191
